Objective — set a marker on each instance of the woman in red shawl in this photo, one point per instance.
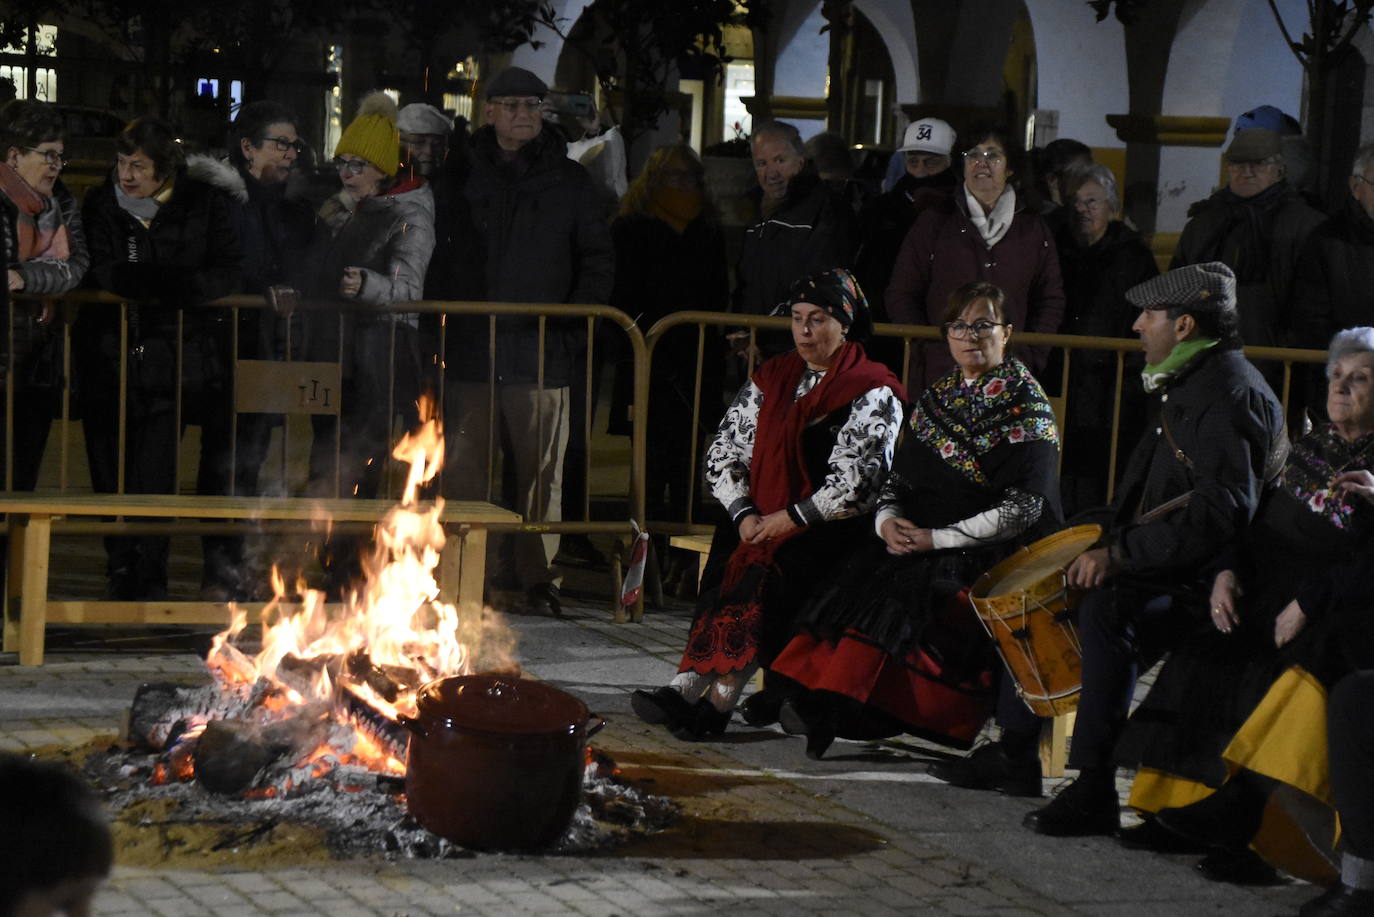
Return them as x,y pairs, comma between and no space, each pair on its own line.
797,463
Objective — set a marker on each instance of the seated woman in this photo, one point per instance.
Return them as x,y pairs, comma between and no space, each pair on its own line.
796,463
1309,533
976,474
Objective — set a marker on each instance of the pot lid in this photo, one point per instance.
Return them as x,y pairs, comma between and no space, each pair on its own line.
500,703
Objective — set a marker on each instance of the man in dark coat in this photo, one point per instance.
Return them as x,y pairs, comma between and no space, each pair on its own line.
801,227
885,220
541,231
1257,226
1333,286
1193,482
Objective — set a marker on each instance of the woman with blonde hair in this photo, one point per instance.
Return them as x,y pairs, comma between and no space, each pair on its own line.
669,257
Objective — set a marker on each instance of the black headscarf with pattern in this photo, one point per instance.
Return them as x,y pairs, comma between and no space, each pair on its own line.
839,294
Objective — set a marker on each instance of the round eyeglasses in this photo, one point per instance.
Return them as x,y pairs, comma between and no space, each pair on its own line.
350,166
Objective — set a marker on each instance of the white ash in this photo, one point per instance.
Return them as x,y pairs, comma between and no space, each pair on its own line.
362,813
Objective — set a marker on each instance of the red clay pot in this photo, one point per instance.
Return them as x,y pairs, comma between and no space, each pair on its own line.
496,762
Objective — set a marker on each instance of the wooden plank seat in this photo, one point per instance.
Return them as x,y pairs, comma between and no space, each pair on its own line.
35,517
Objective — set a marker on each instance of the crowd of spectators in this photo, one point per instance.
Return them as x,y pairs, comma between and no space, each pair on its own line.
1216,522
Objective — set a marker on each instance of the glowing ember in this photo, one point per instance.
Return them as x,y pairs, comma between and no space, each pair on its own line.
388,638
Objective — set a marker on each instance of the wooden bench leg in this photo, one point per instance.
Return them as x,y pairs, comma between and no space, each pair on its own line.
14,570
472,567
1054,744
33,597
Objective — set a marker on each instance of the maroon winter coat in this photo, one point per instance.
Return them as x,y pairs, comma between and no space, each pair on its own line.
943,251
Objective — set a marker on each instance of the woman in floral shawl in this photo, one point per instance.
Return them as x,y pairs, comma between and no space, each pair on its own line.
1278,645
892,645
796,464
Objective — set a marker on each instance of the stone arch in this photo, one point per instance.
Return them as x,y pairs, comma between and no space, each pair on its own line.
1067,35
895,23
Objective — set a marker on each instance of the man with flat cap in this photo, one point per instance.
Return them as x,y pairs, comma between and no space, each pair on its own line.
1214,439
540,236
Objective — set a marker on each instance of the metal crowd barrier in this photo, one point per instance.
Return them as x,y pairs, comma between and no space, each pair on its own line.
641,348
65,316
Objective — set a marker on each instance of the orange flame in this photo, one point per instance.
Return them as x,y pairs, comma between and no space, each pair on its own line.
396,622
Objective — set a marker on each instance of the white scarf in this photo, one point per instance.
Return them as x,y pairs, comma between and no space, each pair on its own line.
993,226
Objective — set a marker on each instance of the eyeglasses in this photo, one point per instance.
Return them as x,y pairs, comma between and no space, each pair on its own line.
991,157
1091,203
282,144
54,157
1252,165
979,328
515,106
1361,178
350,166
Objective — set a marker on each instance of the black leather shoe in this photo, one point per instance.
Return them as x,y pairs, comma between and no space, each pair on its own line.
1340,901
1081,809
987,767
1223,819
792,719
544,599
660,707
701,721
1239,867
761,708
1151,835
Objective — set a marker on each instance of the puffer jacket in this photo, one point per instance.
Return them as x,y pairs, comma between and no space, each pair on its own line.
390,236
1259,238
1224,418
38,347
539,219
943,251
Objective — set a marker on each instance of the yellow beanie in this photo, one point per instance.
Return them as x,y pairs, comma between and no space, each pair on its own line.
372,135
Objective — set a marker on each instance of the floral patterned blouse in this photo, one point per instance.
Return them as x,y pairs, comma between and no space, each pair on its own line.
858,462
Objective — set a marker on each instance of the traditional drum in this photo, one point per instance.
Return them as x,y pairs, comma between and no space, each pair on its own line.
1026,606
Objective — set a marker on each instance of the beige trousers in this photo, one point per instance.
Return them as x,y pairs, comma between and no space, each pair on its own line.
531,431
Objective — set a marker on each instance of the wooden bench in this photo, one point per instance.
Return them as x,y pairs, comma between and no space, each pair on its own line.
35,517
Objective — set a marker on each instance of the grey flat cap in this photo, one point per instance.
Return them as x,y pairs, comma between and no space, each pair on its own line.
518,82
1209,287
419,118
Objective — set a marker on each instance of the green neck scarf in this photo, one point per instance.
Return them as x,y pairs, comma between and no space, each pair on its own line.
1184,353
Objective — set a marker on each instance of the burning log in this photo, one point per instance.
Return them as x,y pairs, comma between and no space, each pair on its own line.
230,756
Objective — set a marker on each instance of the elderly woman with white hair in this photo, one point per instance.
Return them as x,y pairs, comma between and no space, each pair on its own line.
1279,603
1100,258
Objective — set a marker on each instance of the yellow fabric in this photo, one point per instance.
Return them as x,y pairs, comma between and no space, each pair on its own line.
1285,738
1280,840
1153,790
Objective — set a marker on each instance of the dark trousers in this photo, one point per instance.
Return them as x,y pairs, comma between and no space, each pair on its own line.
1120,628
1350,732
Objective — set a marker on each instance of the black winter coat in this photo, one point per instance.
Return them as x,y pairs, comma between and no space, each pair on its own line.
188,255
540,222
1224,418
812,230
1259,238
883,224
1334,285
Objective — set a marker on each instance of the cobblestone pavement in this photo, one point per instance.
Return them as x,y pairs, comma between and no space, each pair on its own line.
862,832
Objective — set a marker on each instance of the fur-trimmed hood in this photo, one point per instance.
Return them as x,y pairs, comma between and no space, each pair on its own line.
219,173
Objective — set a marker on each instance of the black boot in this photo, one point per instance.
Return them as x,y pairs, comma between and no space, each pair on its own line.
761,708
811,717
1228,818
1085,807
989,767
660,707
702,720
